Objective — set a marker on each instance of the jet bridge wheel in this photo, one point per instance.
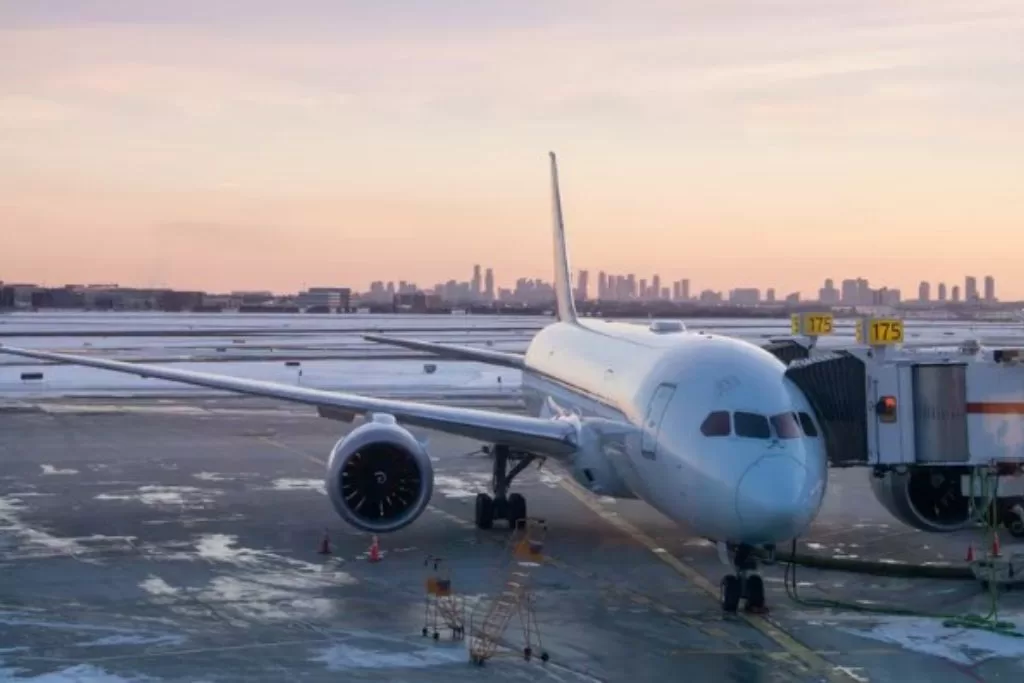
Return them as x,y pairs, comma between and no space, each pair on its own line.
1013,520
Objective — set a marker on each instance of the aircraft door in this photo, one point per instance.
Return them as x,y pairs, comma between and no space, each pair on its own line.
652,420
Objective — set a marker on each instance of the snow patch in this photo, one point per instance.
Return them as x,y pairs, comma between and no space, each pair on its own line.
136,639
317,485
81,673
11,523
346,657
154,585
50,469
211,476
184,496
965,646
549,478
466,486
270,587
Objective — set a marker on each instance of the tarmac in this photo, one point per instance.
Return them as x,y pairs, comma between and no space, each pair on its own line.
177,539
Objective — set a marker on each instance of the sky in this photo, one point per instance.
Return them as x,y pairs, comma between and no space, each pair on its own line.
261,144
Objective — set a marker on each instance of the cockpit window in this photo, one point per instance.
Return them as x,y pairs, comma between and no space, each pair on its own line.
808,424
786,426
716,424
752,425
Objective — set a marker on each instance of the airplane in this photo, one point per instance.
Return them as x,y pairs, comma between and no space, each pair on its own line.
706,429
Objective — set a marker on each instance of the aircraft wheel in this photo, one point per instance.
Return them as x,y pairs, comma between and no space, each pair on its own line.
484,513
1015,526
731,591
516,509
755,594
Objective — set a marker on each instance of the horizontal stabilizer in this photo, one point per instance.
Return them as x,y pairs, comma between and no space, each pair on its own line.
454,351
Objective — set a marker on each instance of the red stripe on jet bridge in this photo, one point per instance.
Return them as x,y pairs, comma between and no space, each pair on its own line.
1004,408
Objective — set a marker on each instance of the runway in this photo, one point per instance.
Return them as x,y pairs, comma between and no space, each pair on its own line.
176,540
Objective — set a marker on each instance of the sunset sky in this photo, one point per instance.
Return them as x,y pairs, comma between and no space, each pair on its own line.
276,145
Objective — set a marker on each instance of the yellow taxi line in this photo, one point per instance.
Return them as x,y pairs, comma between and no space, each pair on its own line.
799,651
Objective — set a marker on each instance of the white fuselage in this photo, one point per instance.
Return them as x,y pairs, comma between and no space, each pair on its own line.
724,443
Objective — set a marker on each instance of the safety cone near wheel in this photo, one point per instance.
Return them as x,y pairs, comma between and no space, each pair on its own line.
970,554
325,544
374,550
995,545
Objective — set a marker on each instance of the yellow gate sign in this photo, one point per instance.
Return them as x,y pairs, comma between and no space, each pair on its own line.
880,331
812,324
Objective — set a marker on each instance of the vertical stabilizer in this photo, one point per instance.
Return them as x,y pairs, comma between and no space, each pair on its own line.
565,308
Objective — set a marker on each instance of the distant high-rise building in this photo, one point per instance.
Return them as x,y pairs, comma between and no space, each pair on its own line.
684,289
865,295
990,289
476,282
793,298
489,284
942,291
656,286
745,296
675,291
582,281
769,296
956,294
970,288
924,292
644,292
849,292
630,286
828,294
602,285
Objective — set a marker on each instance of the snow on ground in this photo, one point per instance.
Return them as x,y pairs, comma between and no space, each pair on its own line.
967,646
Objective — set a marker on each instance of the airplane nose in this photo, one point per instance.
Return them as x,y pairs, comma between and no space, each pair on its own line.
774,499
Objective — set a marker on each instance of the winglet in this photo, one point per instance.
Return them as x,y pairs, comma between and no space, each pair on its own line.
565,307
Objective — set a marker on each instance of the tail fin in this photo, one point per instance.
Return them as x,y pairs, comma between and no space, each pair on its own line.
565,307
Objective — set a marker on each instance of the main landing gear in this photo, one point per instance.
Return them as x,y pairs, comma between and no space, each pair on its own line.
744,584
503,505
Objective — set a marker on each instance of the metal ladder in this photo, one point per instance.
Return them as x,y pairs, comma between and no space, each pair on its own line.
523,552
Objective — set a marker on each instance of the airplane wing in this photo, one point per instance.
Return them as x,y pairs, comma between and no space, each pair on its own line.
535,435
453,351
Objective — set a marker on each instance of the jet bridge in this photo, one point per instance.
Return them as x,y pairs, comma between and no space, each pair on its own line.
941,428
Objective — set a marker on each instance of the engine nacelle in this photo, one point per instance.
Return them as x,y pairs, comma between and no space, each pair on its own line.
926,498
379,477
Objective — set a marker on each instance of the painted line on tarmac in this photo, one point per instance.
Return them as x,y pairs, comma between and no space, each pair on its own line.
804,654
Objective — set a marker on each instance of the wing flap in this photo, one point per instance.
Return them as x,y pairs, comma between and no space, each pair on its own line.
454,351
535,435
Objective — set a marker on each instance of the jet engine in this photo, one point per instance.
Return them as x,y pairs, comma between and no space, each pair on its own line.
379,477
926,498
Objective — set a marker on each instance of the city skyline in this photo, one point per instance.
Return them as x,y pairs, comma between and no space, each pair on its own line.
483,286
191,145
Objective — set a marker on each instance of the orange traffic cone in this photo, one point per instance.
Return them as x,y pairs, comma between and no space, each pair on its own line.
325,544
374,550
995,545
970,553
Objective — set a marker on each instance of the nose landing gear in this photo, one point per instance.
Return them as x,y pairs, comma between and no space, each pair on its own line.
744,584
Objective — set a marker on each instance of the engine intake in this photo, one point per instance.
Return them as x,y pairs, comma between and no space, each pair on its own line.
379,477
926,498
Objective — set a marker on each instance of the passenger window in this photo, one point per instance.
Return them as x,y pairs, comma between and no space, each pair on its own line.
808,424
752,426
786,426
716,424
